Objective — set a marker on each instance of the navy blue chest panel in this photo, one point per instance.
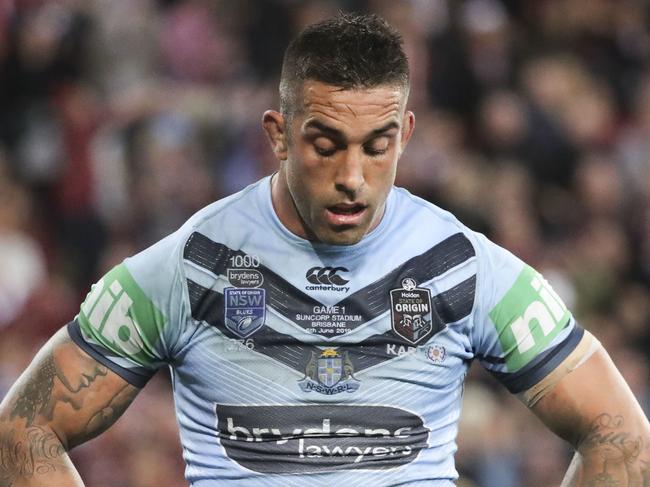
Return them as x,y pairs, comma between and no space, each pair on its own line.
360,307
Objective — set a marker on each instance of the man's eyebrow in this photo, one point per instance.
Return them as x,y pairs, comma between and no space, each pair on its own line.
389,126
315,124
338,134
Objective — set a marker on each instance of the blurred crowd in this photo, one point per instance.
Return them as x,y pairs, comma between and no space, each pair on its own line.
120,118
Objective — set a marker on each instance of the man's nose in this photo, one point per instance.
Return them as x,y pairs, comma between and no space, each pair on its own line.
349,173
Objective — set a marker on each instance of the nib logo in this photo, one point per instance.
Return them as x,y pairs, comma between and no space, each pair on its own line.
327,279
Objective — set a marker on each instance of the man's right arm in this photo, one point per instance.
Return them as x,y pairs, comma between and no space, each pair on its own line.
64,398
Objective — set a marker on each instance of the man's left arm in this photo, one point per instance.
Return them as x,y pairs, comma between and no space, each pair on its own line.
594,409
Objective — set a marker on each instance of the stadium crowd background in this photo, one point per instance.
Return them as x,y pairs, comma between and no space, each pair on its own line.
120,118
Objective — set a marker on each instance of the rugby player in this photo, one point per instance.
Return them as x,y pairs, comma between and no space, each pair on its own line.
319,324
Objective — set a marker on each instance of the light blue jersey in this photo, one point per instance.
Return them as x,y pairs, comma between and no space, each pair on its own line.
297,363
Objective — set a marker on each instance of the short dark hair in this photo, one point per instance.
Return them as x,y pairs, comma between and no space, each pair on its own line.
349,51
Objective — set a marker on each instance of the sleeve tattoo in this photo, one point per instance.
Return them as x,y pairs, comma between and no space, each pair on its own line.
37,398
612,445
36,452
64,391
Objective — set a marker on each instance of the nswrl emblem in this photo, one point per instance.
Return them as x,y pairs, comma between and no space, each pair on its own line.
329,373
411,312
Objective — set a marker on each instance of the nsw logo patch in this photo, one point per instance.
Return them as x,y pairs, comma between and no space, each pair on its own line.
411,312
245,310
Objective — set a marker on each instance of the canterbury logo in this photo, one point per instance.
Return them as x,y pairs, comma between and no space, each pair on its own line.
327,276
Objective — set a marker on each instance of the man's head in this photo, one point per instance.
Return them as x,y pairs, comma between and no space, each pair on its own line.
341,129
348,51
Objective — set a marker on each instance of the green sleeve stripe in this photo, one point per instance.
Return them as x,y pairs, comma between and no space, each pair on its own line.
119,316
133,374
528,317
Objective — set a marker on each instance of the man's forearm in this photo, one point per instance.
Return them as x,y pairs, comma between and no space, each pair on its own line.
612,454
34,456
599,472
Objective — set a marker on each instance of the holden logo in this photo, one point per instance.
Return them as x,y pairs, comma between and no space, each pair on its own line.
409,283
327,276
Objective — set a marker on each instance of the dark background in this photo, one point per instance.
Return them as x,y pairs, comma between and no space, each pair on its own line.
120,118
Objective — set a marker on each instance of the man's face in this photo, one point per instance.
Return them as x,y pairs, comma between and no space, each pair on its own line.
339,159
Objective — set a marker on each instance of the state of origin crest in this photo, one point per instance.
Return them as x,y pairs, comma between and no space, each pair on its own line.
411,312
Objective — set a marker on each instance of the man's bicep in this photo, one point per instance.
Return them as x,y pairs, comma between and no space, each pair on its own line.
593,408
67,391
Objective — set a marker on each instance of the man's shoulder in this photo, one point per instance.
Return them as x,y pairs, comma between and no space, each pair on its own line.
431,223
416,213
211,221
243,203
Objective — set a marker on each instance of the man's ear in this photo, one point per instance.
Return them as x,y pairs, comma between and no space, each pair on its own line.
275,128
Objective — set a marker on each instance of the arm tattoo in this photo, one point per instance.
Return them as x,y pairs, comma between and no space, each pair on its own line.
36,393
603,479
608,441
36,430
607,433
36,396
102,419
41,452
37,452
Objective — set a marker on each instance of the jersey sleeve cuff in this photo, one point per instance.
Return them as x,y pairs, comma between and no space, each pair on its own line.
517,382
137,377
580,354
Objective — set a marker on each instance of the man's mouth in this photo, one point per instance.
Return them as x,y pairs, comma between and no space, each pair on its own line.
345,213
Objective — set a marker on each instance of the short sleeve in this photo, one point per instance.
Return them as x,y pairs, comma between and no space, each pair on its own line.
522,329
132,317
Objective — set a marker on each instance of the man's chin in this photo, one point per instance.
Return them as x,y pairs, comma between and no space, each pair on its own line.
342,236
